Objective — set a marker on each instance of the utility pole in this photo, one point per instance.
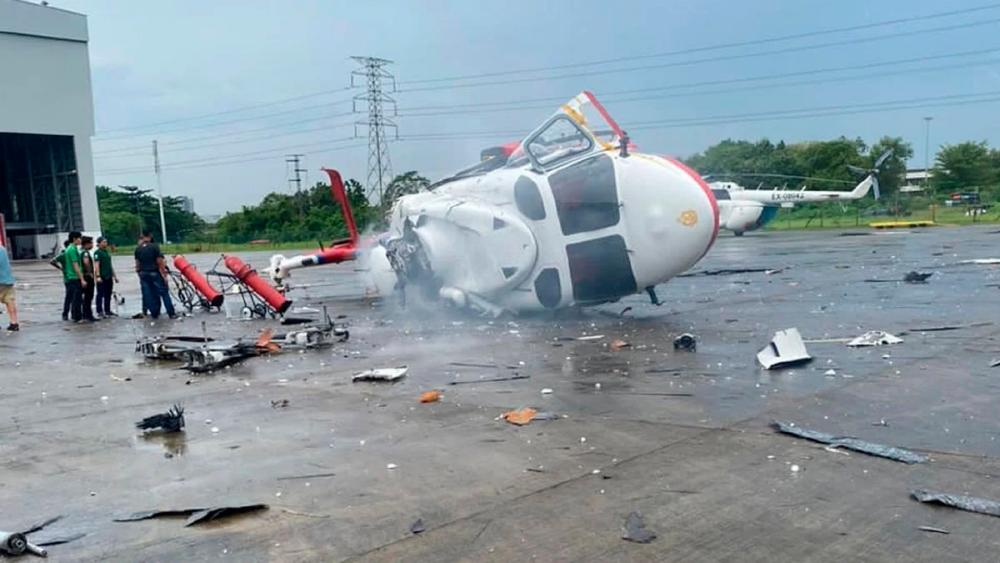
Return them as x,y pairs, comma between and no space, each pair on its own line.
379,165
159,192
927,151
297,170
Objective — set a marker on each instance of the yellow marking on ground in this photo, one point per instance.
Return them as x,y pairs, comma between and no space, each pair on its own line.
900,224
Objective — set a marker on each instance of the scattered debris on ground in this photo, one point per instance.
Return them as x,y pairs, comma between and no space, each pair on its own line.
15,543
195,515
170,421
491,380
982,261
933,529
520,417
279,403
618,345
309,476
995,363
432,396
875,338
870,448
961,502
635,530
687,342
587,338
417,527
381,374
785,349
945,328
917,277
728,272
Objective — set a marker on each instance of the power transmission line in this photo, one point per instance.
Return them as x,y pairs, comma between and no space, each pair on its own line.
221,162
379,164
703,60
517,105
717,46
297,170
227,112
106,156
954,100
269,151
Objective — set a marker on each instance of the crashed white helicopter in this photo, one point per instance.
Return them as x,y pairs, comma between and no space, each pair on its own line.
572,216
742,210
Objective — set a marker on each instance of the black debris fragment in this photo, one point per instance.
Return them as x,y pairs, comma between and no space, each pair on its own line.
726,272
635,530
196,515
493,380
961,502
687,342
279,403
933,529
170,421
417,527
870,448
917,277
995,363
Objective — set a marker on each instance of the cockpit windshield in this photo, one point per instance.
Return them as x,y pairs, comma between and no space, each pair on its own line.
581,125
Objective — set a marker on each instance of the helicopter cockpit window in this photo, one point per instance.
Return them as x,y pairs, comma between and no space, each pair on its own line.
721,194
586,196
560,140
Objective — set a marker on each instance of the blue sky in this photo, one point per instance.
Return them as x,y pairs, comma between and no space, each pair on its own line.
164,61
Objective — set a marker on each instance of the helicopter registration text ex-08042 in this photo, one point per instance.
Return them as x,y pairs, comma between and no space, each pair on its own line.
570,216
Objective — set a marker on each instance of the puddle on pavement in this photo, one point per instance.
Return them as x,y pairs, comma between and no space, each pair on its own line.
173,443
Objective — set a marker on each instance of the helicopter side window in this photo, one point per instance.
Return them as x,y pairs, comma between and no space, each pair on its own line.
586,196
721,194
600,269
560,140
529,199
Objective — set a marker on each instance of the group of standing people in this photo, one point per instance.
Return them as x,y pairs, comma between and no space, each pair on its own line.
89,272
86,272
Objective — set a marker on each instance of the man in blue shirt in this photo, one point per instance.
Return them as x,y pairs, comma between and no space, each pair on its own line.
7,289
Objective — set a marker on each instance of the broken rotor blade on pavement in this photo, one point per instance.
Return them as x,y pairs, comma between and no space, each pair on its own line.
961,502
196,515
785,349
870,448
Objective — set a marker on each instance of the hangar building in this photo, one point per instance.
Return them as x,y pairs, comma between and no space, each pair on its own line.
46,125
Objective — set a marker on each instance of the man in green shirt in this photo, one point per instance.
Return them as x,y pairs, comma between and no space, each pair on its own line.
73,276
59,262
106,278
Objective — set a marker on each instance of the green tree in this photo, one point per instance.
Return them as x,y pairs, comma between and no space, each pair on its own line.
311,215
404,184
128,210
963,166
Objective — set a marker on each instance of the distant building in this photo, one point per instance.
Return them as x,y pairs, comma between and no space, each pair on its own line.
187,204
46,122
916,175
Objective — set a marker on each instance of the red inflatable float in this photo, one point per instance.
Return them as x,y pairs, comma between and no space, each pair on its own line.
197,280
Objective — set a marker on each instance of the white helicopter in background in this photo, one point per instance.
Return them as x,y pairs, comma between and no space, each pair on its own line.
742,210
569,216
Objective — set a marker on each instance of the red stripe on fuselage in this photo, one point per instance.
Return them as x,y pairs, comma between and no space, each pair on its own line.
708,193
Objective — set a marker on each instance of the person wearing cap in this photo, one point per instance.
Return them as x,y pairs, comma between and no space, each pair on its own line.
106,278
7,289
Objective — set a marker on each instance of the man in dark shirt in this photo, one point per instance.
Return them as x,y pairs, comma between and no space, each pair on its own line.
152,270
